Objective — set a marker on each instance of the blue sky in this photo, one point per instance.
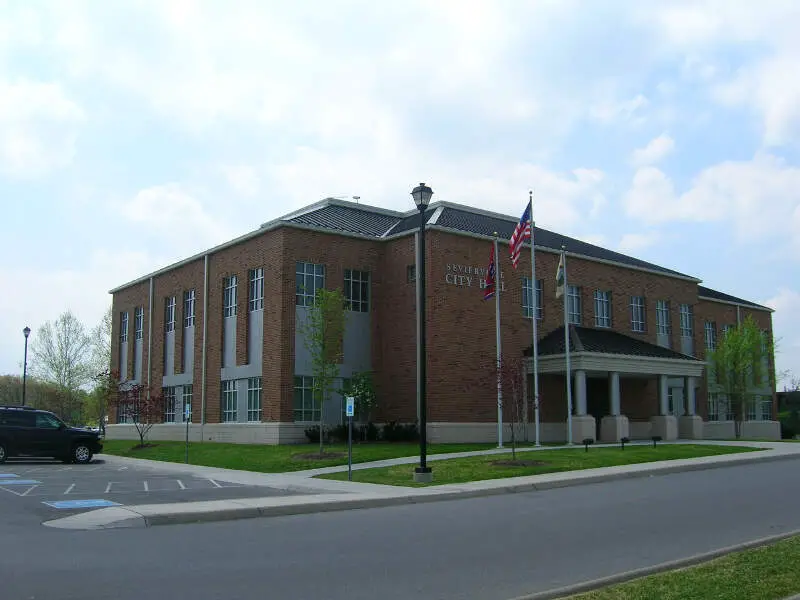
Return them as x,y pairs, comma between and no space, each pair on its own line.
135,133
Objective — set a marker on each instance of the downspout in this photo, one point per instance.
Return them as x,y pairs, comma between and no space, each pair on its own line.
205,337
150,337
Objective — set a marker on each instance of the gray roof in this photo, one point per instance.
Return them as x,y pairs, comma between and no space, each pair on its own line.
715,295
347,219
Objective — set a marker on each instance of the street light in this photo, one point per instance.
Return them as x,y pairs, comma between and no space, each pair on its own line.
26,332
422,197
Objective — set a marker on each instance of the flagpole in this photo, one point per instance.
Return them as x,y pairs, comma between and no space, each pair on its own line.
566,347
535,329
497,286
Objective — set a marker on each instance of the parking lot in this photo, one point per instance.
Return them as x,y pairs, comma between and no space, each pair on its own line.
51,489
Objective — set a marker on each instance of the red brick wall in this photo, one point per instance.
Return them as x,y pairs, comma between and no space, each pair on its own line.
127,300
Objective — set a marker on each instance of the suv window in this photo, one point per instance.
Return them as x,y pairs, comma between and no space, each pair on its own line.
16,418
45,421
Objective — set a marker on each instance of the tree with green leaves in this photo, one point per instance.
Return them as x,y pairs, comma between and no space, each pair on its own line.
323,334
739,365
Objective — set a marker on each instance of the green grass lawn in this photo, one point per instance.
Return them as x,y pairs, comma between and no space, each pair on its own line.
275,459
462,470
767,573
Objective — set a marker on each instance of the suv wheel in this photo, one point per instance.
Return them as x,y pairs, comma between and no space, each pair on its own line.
3,453
81,454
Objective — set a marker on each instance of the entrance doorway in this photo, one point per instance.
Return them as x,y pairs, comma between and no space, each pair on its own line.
597,401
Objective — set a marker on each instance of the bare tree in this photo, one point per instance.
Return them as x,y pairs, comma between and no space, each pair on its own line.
101,345
61,353
135,404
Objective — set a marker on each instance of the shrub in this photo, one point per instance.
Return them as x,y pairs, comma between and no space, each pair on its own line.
790,425
395,432
312,433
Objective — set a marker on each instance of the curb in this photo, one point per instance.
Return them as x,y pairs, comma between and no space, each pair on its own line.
681,563
221,510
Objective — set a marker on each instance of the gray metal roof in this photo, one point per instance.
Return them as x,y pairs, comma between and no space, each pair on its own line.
722,296
348,219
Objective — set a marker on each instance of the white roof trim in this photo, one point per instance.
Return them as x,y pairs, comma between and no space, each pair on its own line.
738,304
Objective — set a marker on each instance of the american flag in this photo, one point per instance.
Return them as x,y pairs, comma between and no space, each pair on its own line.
491,275
521,233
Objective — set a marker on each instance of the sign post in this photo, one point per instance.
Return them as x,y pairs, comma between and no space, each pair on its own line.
187,417
349,412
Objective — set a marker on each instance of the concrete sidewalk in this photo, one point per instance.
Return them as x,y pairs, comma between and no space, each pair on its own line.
323,495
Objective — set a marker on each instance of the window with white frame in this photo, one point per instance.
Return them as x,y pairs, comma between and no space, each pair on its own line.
687,320
638,320
663,319
254,399
602,308
188,308
229,296
356,290
574,308
123,327
711,335
138,322
188,392
527,301
309,278
169,404
229,401
766,408
256,289
753,409
306,408
169,314
719,409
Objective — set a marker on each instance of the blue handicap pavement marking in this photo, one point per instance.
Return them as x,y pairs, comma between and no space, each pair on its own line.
7,475
19,482
81,503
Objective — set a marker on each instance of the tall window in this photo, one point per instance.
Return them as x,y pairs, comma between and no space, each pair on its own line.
574,308
637,314
411,273
254,399
123,327
229,296
188,308
306,408
169,404
188,392
727,328
766,408
711,335
256,289
663,321
527,301
602,308
753,409
229,401
308,279
719,409
687,320
356,290
138,322
169,314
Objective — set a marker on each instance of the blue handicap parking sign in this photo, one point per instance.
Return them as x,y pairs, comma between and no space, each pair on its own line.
19,482
80,503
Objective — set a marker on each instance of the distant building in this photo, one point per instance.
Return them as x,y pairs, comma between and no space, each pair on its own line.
218,331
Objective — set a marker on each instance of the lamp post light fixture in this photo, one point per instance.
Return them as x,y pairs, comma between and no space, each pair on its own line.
26,332
422,474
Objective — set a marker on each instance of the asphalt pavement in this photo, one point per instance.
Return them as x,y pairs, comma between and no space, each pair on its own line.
492,548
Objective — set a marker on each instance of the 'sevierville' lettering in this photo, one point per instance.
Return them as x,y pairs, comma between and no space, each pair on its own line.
466,275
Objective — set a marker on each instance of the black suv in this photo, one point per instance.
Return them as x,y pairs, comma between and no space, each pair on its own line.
26,431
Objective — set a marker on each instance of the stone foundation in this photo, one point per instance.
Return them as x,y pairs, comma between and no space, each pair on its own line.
583,427
690,427
665,426
614,428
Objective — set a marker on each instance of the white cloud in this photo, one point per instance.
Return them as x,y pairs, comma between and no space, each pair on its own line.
633,242
243,179
786,325
615,109
656,149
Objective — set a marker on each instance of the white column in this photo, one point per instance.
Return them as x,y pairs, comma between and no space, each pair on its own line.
663,395
691,406
613,393
580,392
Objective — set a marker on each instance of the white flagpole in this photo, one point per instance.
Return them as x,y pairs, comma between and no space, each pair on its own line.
499,348
535,333
566,348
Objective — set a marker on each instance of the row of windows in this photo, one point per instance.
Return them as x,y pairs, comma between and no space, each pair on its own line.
310,277
759,408
229,401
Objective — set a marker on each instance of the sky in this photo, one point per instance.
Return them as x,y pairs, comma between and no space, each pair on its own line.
136,133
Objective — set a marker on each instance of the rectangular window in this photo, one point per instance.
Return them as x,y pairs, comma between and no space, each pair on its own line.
719,409
188,308
188,392
254,400
169,314
138,322
169,404
687,320
123,327
256,289
602,308
356,290
229,401
638,320
766,408
711,335
574,308
527,301
726,329
309,278
663,319
229,296
753,409
411,273
306,407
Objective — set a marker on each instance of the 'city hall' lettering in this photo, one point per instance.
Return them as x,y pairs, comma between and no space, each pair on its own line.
466,275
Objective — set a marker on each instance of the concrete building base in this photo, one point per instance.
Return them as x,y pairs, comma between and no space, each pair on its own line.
583,427
614,428
690,427
665,426
233,433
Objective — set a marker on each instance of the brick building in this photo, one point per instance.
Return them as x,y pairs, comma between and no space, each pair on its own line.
218,331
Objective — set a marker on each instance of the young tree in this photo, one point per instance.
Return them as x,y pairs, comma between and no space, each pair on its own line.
362,389
136,404
323,334
738,365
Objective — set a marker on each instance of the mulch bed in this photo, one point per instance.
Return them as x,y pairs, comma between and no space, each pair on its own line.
139,447
518,463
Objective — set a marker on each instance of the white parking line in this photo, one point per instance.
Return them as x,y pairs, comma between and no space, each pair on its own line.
28,491
215,483
69,489
122,468
180,483
108,487
146,487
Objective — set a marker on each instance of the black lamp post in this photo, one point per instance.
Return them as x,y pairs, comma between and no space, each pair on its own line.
26,332
422,197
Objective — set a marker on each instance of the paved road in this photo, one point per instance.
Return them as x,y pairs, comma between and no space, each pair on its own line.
492,548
